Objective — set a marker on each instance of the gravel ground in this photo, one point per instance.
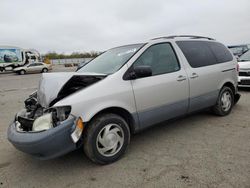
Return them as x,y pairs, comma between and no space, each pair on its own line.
200,150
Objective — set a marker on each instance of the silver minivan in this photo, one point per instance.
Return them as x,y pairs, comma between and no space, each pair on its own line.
122,91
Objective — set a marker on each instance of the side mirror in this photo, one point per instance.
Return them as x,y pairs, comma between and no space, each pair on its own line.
141,72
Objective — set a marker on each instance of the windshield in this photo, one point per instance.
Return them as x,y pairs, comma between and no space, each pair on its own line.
245,56
112,60
238,50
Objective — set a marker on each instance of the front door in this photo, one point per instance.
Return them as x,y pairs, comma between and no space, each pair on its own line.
165,94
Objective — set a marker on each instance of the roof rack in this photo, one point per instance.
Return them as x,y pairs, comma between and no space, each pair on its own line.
185,36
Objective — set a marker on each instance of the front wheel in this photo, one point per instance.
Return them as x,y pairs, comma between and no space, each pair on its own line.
224,102
22,72
45,70
106,138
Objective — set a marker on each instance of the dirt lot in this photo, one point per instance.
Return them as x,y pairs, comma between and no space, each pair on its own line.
201,150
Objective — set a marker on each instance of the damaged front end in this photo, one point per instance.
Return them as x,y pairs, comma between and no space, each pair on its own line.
43,129
44,132
39,113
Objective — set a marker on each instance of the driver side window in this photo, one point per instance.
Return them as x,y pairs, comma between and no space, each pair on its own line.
160,57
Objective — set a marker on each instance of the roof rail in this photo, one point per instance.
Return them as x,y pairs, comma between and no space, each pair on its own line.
185,36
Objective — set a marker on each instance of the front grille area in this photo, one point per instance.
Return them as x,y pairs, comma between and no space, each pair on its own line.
244,82
244,73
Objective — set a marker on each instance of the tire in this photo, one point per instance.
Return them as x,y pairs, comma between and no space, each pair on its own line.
104,148
224,108
44,70
22,72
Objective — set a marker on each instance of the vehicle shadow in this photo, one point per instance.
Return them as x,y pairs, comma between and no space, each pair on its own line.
7,72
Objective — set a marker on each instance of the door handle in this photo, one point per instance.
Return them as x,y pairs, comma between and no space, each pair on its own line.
194,75
181,78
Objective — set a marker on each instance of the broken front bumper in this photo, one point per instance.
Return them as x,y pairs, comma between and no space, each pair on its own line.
45,144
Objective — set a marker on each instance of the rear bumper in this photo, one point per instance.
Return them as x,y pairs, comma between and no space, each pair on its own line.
46,144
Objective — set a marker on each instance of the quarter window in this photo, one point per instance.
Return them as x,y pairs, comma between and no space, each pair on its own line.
160,57
221,53
201,53
197,53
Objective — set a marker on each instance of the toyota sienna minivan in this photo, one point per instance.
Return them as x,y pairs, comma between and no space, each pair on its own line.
122,91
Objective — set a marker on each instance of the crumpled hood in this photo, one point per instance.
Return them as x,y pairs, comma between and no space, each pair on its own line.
244,64
55,86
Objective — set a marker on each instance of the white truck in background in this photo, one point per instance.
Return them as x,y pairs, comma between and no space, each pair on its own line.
12,57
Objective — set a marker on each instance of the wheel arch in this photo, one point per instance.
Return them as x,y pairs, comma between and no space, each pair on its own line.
128,117
230,85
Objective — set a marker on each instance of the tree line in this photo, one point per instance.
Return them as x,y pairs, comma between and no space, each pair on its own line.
54,55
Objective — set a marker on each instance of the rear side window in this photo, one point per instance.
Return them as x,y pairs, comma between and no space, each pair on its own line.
200,53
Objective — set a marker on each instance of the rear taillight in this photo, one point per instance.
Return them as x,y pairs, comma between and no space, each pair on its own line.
238,67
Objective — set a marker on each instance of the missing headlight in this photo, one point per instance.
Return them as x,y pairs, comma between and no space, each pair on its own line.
59,113
43,119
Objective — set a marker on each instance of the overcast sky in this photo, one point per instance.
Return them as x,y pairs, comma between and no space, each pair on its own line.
78,25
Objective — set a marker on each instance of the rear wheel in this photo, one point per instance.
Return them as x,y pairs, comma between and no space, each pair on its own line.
224,102
2,69
106,138
22,72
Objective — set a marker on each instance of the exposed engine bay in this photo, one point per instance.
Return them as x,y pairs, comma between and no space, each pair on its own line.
76,83
38,117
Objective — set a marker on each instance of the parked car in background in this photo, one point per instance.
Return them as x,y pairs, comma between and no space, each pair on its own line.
12,57
238,50
33,68
125,90
244,73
